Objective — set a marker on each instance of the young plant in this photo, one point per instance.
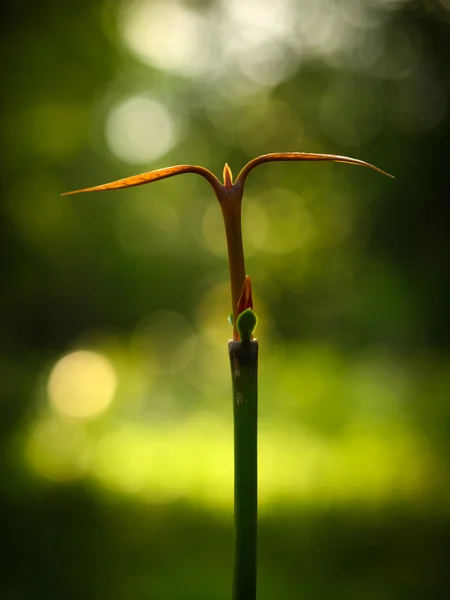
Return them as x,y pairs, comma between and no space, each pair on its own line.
242,348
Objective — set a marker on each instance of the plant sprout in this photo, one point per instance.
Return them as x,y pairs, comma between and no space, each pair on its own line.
242,348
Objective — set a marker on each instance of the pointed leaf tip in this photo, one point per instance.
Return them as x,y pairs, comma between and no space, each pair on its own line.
227,177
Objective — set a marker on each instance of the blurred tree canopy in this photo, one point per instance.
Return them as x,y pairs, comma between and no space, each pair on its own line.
116,442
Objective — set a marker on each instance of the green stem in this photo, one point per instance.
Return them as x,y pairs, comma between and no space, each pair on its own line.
244,370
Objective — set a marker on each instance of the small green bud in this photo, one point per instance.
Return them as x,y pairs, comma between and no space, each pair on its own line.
246,323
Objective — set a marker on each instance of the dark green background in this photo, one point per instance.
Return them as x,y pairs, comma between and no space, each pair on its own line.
354,318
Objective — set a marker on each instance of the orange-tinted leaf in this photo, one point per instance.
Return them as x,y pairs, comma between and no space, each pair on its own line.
150,176
302,156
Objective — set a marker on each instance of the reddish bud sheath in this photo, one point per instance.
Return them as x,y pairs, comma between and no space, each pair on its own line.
245,299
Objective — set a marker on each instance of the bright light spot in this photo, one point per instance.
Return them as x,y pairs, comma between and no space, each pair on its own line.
82,384
268,68
57,450
254,35
238,46
260,20
371,457
166,35
321,29
164,342
140,130
192,459
251,35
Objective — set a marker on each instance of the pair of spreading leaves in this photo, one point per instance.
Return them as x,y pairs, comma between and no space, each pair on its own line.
151,176
243,316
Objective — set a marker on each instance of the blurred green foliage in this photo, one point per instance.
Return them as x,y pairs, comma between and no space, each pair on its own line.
116,406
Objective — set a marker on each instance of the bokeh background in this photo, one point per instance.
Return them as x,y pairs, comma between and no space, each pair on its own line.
116,421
